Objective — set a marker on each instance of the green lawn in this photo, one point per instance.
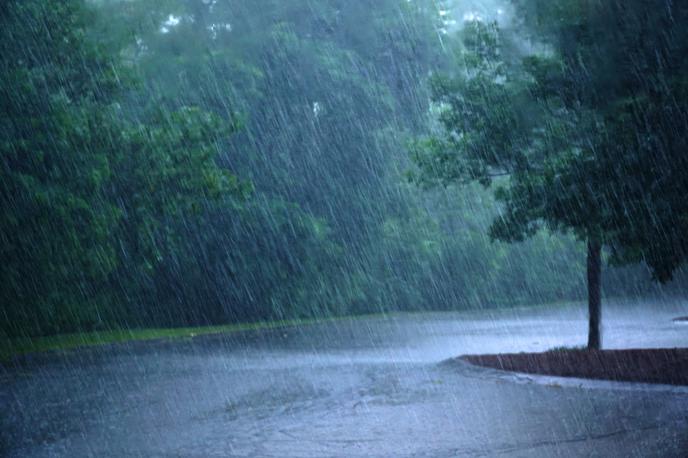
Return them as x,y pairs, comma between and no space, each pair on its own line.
18,346
10,347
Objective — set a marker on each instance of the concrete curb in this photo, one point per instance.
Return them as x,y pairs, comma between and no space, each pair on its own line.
560,382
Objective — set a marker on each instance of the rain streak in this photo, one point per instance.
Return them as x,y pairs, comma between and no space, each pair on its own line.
343,228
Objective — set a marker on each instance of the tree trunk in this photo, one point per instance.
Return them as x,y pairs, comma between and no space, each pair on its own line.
594,294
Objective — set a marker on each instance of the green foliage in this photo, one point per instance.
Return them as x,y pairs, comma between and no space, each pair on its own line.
622,74
13,347
85,190
587,129
320,106
55,226
181,162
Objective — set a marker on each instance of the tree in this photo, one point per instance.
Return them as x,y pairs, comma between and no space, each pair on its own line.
549,131
622,71
85,187
322,89
126,124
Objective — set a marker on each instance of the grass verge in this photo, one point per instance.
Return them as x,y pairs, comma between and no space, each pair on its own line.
12,347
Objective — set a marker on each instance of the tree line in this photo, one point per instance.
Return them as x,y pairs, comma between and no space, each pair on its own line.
185,162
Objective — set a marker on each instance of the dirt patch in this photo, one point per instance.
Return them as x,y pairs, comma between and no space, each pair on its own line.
667,366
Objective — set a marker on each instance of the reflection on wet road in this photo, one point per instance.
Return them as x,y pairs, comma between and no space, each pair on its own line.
366,387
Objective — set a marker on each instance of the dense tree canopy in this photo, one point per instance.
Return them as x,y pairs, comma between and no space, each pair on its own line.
622,71
188,162
84,189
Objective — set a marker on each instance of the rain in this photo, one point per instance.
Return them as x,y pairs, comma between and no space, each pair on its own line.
343,228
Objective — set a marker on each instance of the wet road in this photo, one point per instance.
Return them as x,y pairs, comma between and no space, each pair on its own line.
367,387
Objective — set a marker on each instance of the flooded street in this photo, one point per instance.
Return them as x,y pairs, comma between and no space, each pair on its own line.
376,386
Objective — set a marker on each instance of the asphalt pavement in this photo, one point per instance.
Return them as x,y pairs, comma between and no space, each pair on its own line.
352,388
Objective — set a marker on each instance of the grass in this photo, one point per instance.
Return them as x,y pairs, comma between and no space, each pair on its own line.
565,348
11,347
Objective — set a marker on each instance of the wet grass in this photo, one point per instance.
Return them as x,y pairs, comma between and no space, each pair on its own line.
565,348
11,347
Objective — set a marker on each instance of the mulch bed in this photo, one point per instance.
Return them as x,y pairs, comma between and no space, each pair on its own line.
666,366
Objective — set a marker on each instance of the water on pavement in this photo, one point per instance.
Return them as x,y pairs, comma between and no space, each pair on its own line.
364,387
